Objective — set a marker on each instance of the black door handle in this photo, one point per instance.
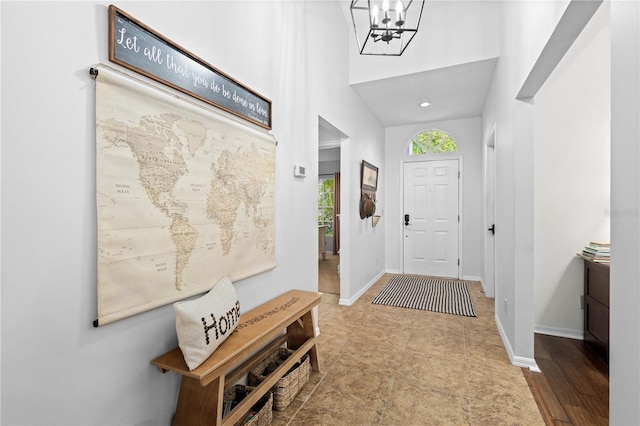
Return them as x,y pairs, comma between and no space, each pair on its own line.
406,220
493,229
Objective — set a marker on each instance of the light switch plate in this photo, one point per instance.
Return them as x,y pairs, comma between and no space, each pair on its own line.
299,171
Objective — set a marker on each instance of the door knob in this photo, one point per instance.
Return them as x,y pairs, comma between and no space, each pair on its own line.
406,220
493,229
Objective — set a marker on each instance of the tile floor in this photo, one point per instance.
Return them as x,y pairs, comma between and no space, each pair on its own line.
383,365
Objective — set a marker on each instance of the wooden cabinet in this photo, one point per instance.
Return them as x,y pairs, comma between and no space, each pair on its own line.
596,306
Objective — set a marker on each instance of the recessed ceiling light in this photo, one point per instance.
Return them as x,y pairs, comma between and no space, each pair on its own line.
425,104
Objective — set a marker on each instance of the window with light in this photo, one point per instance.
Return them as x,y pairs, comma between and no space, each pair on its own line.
325,203
432,142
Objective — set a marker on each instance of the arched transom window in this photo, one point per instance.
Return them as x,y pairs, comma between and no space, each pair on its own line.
432,142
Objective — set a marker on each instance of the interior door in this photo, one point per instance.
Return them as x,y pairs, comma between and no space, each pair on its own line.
490,259
431,218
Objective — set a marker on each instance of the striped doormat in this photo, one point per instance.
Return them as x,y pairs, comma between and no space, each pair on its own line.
427,293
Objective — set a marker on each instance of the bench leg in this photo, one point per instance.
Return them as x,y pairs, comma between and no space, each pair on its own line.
299,333
198,405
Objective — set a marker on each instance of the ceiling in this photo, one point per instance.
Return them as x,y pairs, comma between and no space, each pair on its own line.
454,92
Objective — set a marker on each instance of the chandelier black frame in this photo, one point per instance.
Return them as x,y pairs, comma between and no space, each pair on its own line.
385,29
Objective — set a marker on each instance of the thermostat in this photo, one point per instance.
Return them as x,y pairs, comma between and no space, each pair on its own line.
299,171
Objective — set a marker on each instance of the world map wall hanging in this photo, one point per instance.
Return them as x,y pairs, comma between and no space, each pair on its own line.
184,196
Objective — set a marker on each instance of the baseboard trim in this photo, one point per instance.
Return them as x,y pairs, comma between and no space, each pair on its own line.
518,361
529,363
484,289
349,302
472,278
489,292
559,332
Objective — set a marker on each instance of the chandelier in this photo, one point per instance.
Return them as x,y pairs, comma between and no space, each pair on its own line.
384,30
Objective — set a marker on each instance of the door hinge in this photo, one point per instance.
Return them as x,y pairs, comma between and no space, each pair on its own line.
458,262
458,218
458,175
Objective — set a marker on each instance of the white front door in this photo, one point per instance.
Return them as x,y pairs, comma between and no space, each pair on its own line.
431,218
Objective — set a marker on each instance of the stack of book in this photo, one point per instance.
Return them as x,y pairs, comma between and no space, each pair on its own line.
598,251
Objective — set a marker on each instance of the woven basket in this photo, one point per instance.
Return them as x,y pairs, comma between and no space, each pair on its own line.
286,389
261,413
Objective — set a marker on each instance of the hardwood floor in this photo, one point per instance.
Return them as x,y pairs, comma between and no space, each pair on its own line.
573,387
328,278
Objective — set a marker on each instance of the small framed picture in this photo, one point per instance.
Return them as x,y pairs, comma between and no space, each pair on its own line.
369,177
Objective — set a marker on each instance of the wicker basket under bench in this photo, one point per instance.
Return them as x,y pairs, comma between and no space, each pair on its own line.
201,394
286,389
261,414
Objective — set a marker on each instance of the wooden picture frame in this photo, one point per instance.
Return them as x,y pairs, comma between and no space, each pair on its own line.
139,48
368,178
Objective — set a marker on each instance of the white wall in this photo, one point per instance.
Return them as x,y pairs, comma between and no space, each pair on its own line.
58,369
624,351
525,27
467,134
362,249
514,143
572,175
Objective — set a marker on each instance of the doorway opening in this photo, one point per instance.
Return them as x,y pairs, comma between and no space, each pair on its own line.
329,232
329,207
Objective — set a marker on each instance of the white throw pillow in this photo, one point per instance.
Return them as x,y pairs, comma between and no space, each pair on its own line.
203,324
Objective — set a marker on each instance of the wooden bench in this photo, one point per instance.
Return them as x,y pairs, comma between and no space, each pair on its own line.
285,319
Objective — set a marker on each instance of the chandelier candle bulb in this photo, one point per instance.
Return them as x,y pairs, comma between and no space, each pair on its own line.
399,17
385,9
374,16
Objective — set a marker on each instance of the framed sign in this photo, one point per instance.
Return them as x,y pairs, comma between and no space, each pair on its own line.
137,47
369,178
